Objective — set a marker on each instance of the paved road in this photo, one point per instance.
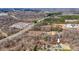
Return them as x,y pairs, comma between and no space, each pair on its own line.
58,37
13,17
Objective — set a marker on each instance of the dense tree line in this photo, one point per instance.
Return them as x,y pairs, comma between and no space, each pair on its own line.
70,17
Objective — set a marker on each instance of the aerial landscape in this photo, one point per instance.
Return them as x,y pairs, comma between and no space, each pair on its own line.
39,29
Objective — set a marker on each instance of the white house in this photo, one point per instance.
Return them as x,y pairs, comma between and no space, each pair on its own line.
71,25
